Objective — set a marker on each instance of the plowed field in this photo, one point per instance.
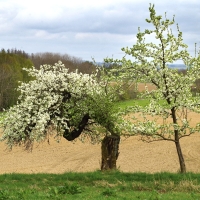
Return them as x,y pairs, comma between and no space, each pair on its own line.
135,156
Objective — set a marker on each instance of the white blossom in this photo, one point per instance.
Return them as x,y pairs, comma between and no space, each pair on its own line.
54,99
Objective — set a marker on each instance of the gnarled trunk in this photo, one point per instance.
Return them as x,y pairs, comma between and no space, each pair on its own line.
76,132
110,152
109,148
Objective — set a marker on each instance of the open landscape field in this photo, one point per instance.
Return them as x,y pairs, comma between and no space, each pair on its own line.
135,155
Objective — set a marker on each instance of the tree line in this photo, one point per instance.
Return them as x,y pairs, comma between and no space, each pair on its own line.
12,62
11,65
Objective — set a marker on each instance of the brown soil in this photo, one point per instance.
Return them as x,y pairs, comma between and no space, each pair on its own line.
135,156
141,87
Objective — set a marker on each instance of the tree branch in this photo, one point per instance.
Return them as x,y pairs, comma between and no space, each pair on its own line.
76,132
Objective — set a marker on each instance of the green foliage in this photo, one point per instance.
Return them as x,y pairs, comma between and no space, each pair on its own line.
196,88
4,194
129,91
109,192
2,115
66,189
11,66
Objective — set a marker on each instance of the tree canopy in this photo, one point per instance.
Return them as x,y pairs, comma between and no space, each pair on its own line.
172,99
72,103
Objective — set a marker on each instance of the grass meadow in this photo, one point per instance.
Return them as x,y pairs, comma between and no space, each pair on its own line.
131,102
100,185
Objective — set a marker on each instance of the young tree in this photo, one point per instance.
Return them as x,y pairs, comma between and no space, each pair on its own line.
172,99
72,103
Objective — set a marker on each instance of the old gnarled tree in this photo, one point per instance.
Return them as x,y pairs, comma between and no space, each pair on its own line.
76,105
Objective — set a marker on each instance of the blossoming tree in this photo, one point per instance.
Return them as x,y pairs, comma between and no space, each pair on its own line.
172,99
72,103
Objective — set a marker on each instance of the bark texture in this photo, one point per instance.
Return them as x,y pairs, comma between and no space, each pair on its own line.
110,152
180,156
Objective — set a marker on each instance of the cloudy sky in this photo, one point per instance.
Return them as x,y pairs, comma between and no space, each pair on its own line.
87,29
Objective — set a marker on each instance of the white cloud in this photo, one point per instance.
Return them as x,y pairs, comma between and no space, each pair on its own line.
87,28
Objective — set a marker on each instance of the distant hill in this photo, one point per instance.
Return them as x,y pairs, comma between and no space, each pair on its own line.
174,66
177,66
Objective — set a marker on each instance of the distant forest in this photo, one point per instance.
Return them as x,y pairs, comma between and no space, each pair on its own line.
12,61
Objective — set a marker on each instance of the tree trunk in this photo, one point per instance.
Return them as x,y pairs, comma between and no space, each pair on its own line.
180,156
110,152
177,143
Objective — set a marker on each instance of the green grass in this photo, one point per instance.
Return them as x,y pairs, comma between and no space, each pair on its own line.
132,102
100,185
